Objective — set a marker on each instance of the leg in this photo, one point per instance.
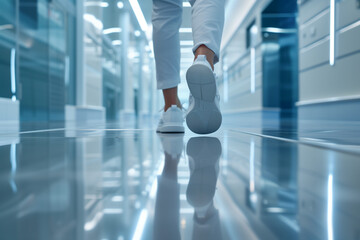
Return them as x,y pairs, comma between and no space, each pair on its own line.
171,97
204,114
207,24
166,21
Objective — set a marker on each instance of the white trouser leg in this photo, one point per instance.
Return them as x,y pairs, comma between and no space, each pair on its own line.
166,20
207,24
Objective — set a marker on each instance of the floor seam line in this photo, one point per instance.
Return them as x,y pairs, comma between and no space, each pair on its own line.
317,145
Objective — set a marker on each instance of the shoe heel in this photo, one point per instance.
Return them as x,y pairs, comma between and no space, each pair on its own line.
201,82
204,121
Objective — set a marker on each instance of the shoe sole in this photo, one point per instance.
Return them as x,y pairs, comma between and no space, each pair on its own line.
204,148
171,129
205,117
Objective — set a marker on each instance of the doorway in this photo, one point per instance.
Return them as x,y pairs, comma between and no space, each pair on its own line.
280,58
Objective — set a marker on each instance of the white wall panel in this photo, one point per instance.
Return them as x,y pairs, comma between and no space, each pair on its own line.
327,81
311,8
348,12
349,40
241,98
9,110
315,29
318,81
314,55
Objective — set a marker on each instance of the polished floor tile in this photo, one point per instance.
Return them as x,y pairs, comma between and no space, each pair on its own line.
99,182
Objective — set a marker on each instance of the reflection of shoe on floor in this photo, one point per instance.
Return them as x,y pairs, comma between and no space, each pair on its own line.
204,154
204,114
172,144
171,121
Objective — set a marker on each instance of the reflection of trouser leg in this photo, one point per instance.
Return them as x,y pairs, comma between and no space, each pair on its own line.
166,19
167,216
207,24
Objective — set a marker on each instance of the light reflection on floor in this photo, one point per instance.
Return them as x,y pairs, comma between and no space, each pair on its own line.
100,182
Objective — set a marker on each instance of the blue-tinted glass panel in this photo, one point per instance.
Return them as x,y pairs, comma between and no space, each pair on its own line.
7,49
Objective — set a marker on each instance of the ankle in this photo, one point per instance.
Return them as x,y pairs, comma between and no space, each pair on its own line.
167,106
170,97
203,50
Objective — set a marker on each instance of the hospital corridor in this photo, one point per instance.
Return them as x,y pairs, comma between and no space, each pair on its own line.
81,154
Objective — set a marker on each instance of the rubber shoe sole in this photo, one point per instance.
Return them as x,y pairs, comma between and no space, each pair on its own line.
171,129
205,117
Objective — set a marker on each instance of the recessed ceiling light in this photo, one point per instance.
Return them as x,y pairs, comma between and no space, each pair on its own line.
137,33
139,14
120,5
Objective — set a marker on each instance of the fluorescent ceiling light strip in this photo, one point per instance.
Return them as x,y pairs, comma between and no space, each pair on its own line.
332,33
13,158
112,30
186,4
253,70
12,71
139,14
117,198
96,4
185,30
186,43
278,30
113,211
116,42
93,20
186,50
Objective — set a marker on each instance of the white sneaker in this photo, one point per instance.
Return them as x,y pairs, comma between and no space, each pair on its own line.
172,144
171,121
204,114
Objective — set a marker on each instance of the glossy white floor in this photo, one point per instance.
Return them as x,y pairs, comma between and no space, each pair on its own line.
249,182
